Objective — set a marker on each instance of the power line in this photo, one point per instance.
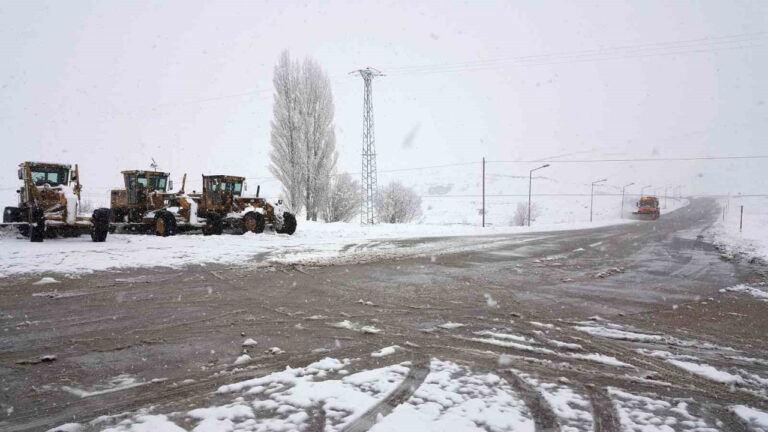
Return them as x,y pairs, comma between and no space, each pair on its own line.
586,195
610,53
671,159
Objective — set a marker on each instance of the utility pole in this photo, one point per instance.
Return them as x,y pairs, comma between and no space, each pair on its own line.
368,184
622,199
530,179
592,196
483,210
741,218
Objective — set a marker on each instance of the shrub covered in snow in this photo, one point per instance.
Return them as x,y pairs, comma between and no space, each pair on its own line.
396,203
521,214
343,200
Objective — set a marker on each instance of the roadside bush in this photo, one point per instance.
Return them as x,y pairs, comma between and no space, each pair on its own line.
521,214
343,200
396,203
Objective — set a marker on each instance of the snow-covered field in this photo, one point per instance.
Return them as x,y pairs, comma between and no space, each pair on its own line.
752,240
313,242
451,198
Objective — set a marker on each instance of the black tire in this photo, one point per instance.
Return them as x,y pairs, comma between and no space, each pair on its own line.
36,224
213,224
100,224
11,214
165,223
254,222
289,224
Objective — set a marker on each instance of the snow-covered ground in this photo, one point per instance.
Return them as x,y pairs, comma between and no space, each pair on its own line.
442,395
752,240
313,242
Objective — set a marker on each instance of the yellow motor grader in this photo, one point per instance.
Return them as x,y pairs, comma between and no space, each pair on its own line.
146,205
49,204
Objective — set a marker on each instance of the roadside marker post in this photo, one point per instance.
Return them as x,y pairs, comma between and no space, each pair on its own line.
741,218
483,211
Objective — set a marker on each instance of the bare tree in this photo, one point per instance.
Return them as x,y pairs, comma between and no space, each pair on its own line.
317,134
287,155
521,214
396,203
342,202
303,139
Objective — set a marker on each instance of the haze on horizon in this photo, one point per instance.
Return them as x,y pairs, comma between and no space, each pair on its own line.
111,85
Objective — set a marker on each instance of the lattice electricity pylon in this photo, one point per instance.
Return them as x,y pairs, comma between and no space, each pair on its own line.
368,184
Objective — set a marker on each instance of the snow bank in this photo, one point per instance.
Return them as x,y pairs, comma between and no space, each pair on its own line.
757,420
46,281
385,351
707,371
754,292
752,240
313,243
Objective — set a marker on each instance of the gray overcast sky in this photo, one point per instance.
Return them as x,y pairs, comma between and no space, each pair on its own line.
111,84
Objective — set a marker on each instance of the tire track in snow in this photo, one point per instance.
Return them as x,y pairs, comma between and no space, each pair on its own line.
670,373
603,412
402,393
544,417
83,410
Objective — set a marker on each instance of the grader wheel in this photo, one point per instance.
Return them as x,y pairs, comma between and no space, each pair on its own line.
253,222
213,224
100,224
165,224
36,224
289,224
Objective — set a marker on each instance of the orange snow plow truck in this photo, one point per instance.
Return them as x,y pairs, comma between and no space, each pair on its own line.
647,208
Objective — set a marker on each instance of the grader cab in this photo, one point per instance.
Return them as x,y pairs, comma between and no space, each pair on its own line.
145,191
49,204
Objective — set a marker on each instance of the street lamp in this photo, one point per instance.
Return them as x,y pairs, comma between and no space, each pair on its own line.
642,189
622,198
530,178
592,196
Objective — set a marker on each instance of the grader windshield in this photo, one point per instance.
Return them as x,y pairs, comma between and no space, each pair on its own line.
221,188
49,174
140,183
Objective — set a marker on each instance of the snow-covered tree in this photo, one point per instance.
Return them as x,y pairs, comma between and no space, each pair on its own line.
287,155
303,139
521,214
342,202
396,203
317,134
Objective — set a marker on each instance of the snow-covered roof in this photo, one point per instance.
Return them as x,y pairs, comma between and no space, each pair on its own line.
143,172
67,166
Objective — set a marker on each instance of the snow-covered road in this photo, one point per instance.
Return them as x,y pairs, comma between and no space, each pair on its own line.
313,242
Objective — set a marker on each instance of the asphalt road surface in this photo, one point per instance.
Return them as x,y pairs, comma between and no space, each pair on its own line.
183,328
